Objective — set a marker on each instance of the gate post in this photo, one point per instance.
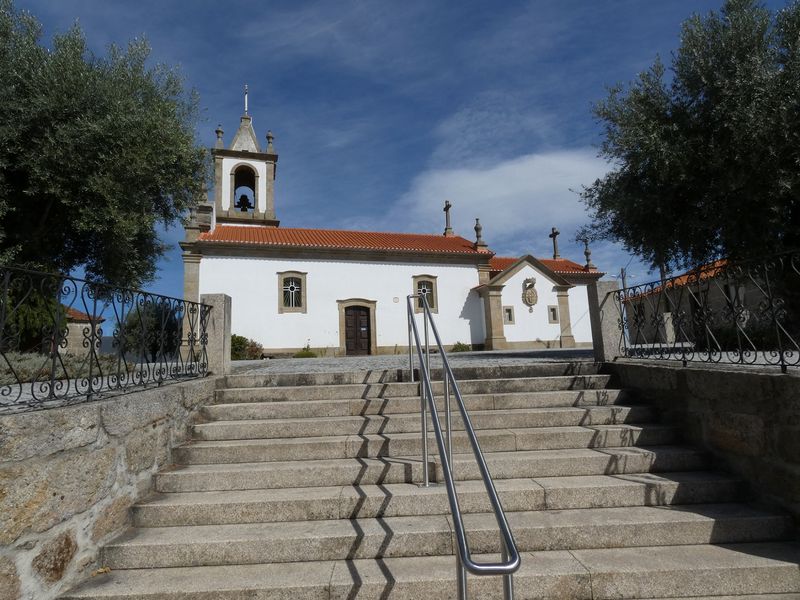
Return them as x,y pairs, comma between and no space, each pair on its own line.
218,329
604,317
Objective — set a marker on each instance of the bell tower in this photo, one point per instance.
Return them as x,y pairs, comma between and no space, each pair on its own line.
244,176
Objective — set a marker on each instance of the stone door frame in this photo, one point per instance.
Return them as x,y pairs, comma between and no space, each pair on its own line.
370,305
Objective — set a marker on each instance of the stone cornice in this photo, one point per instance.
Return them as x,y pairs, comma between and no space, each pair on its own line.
264,156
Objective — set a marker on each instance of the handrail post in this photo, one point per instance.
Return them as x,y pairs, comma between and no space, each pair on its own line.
508,580
424,416
449,421
461,579
427,343
410,357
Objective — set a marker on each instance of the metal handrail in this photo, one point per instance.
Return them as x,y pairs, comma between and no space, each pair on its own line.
511,561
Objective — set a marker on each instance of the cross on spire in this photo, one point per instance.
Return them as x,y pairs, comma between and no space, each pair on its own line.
554,233
245,98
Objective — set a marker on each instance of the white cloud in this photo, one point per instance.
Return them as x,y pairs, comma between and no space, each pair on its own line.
515,199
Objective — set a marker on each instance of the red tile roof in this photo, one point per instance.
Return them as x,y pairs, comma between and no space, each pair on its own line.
499,264
80,317
332,238
561,266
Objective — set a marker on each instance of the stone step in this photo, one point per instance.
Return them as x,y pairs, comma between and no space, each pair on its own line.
404,499
686,571
384,406
373,406
538,369
397,390
411,422
407,444
358,471
677,571
432,535
795,596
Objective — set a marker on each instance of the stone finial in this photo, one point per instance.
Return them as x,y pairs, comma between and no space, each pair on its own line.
448,230
588,254
219,143
270,139
554,233
479,243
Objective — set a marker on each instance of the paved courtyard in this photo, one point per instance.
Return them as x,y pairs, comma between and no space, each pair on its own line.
400,361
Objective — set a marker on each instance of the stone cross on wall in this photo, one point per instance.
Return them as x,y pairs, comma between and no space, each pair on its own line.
448,230
554,233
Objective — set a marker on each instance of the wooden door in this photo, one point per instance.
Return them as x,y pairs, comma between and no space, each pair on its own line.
356,330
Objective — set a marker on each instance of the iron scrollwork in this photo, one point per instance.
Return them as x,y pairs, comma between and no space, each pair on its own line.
65,340
728,312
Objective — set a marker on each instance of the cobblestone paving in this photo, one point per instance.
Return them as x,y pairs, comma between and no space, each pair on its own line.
366,363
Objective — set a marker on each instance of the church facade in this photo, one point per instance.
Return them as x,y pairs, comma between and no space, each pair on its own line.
345,292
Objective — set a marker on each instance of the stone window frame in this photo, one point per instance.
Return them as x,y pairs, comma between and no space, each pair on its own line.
434,305
552,310
508,320
303,308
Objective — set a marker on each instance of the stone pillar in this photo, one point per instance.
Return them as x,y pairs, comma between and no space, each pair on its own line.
270,199
218,347
493,317
604,317
191,277
565,321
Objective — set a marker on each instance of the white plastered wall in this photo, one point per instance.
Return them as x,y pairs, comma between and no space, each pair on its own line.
530,325
260,167
253,285
579,311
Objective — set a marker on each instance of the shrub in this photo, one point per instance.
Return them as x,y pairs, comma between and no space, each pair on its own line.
238,347
306,352
459,347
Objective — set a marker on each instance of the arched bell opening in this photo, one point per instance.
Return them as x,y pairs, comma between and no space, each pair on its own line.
244,189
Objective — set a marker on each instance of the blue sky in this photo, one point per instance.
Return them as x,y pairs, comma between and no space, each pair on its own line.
382,110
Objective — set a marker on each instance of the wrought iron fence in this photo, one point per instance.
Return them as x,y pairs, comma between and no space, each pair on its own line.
65,340
724,312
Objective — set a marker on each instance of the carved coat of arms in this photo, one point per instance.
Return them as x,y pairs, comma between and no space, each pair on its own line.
529,294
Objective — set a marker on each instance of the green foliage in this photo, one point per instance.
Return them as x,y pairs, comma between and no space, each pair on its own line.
706,157
151,329
238,347
243,348
306,352
94,153
460,347
32,366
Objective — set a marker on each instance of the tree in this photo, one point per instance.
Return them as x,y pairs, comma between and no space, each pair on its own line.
151,331
94,153
705,160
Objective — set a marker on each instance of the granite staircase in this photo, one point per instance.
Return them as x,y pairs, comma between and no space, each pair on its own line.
305,486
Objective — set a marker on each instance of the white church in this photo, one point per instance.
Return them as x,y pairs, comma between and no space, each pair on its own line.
344,292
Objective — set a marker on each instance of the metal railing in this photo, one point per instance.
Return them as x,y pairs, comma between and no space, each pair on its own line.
65,340
745,313
510,560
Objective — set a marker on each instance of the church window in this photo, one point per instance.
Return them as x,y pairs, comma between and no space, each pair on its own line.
426,284
508,315
291,292
552,314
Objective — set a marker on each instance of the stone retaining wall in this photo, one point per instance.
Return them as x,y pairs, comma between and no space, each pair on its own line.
68,477
749,421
